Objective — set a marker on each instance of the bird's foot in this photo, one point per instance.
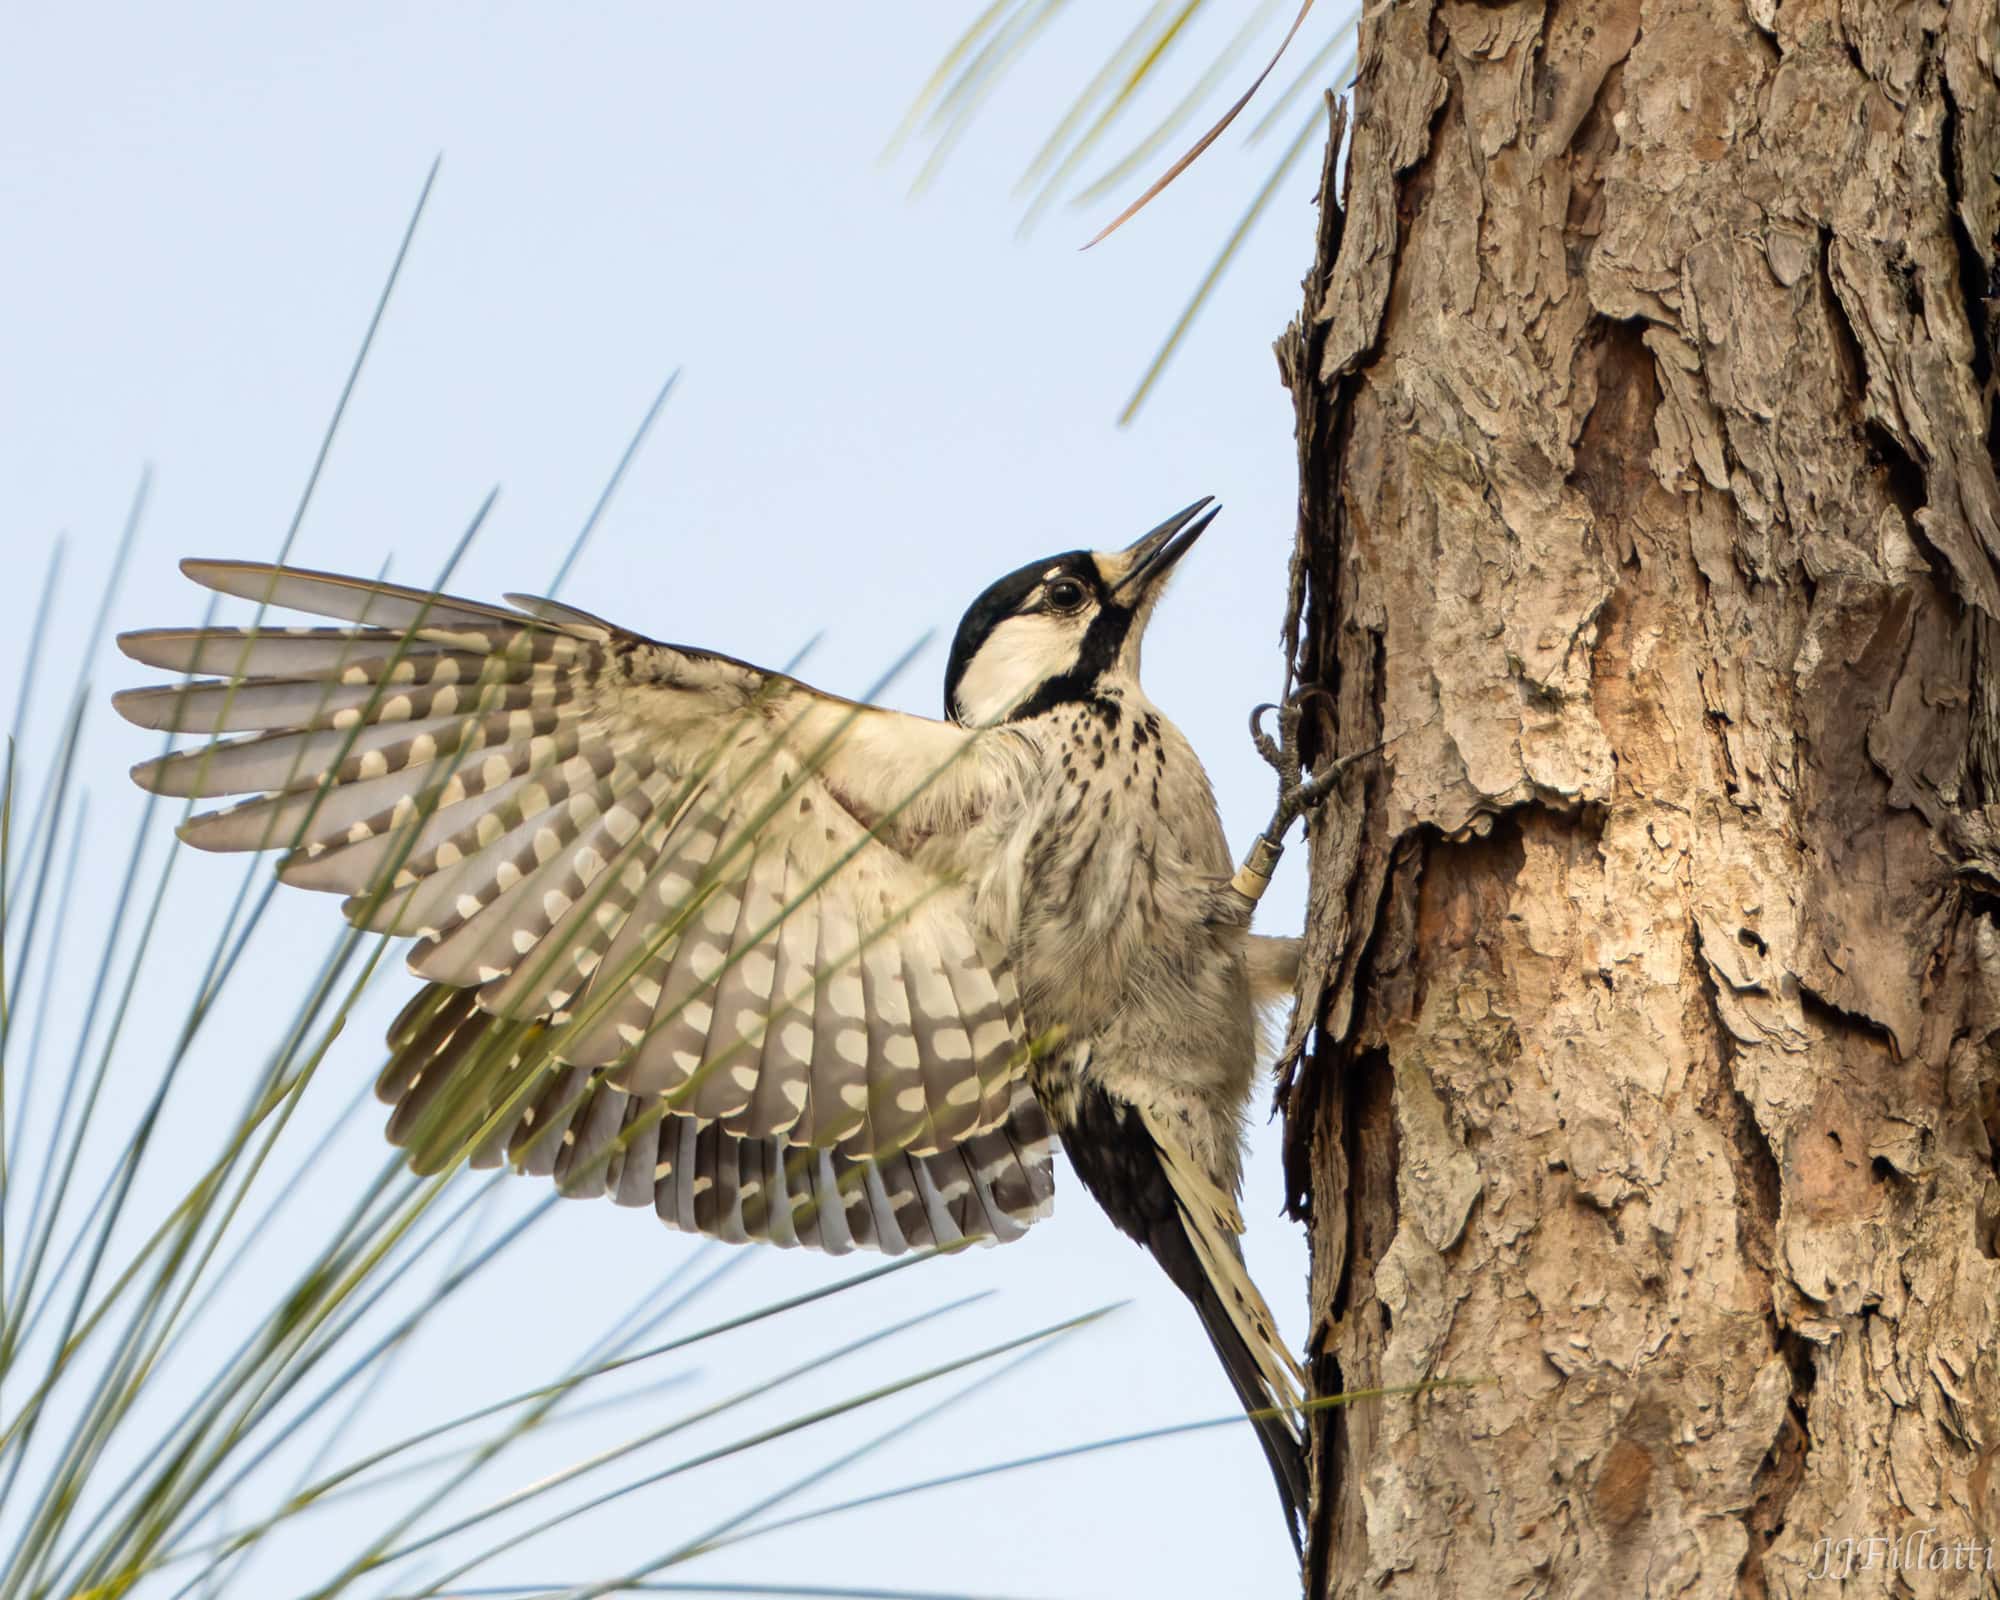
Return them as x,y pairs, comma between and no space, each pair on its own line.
1298,791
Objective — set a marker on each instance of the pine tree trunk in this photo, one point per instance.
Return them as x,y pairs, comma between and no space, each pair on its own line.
1647,418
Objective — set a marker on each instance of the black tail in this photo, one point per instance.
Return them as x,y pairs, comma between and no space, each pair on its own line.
1152,1192
1276,1430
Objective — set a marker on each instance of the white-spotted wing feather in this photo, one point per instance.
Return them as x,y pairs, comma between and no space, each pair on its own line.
713,886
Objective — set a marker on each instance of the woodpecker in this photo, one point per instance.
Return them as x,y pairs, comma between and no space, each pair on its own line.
782,966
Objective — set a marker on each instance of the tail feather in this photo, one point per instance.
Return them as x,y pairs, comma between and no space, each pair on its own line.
1155,1192
1272,1417
1198,1248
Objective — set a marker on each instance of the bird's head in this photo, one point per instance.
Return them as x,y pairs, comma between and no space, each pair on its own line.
1065,628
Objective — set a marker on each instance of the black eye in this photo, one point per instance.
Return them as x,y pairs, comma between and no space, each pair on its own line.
1065,594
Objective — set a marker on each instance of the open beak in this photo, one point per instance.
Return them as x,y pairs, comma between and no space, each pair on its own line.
1153,556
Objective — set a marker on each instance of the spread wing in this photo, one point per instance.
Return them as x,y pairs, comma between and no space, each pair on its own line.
719,892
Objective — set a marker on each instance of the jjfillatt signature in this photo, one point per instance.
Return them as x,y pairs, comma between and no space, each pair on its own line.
1920,1550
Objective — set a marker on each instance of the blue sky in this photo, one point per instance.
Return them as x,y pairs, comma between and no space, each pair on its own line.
884,404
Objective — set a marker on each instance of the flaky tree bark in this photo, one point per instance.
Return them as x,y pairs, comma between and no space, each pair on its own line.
1647,413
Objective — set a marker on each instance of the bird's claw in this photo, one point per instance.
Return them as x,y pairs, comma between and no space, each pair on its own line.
1298,791
1274,754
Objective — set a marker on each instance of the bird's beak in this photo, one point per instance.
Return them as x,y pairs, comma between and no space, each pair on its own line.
1147,562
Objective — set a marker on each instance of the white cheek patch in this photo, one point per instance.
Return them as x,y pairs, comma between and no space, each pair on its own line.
1017,658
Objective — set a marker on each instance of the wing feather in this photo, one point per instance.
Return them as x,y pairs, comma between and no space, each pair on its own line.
458,895
943,1046
668,1061
671,875
605,884
896,1114
586,1151
290,759
732,1055
791,1212
991,1038
704,1192
313,703
782,1079
419,837
843,1192
838,1103
326,594
665,897
674,1198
